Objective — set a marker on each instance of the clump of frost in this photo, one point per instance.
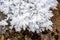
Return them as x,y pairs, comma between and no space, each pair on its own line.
34,15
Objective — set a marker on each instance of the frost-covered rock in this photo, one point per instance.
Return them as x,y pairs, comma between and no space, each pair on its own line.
34,15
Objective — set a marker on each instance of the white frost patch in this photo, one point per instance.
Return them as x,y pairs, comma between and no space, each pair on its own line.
34,15
3,23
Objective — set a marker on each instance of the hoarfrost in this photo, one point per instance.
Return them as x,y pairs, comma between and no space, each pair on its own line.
34,15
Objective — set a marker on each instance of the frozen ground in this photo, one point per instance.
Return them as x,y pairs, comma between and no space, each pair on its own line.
34,15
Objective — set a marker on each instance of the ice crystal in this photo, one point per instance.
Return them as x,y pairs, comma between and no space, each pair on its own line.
34,15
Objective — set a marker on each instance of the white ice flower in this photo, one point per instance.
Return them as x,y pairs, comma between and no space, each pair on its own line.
34,15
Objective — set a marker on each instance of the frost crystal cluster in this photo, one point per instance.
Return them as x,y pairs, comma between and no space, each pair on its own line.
34,15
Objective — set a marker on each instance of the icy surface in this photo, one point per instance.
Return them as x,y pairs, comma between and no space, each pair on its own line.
34,15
